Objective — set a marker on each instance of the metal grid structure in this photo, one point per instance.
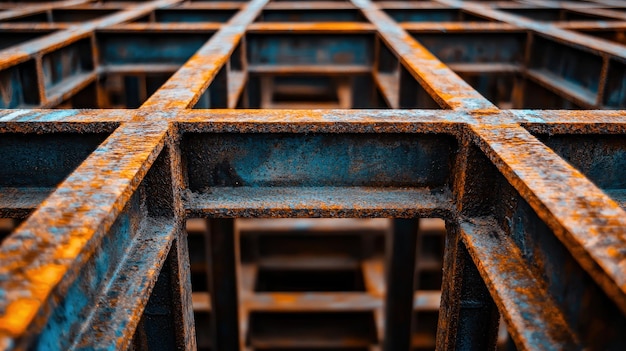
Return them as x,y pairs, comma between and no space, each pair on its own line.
167,110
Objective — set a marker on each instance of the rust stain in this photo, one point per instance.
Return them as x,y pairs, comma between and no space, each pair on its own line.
44,257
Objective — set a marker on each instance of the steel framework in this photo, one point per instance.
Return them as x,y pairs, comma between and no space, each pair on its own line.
170,109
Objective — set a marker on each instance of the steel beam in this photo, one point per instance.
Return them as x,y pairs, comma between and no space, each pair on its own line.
533,199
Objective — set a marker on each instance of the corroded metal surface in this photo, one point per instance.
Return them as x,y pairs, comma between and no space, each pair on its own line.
122,120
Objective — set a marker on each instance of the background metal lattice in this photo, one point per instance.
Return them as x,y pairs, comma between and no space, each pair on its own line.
121,120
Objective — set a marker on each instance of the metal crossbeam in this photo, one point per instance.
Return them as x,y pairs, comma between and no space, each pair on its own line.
121,121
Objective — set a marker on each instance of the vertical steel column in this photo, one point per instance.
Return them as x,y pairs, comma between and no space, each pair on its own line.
468,317
184,318
158,317
223,256
183,312
401,249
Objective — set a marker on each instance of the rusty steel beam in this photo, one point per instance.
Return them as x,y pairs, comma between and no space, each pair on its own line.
542,326
234,123
35,56
55,264
222,253
401,252
575,226
209,59
38,8
588,96
22,52
533,199
439,81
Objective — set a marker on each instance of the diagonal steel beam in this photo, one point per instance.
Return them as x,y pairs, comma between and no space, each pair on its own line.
448,89
186,86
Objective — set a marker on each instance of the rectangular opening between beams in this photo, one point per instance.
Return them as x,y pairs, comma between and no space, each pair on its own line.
556,76
314,284
288,70
32,165
132,66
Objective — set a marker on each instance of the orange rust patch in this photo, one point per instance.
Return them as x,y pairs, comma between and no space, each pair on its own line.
44,277
18,316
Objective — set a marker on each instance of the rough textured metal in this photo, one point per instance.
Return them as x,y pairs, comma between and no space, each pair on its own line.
121,121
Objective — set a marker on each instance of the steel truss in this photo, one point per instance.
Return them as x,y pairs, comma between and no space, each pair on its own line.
533,199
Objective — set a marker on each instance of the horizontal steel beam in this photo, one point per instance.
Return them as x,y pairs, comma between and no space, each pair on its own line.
533,198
